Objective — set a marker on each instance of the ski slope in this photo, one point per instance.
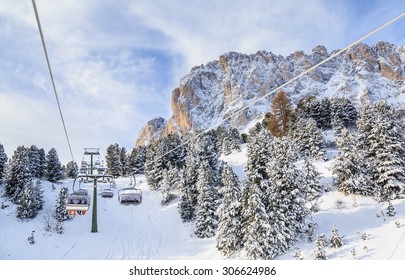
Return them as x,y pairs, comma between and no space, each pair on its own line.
151,231
146,231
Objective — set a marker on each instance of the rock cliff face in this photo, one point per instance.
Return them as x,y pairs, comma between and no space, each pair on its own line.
222,88
151,131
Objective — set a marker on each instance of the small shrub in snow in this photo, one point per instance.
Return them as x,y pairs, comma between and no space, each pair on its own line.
31,238
339,204
297,254
390,209
398,224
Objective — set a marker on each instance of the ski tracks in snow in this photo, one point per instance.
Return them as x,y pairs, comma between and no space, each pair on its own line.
137,236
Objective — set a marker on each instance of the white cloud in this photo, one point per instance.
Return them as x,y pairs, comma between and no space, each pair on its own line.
116,62
203,30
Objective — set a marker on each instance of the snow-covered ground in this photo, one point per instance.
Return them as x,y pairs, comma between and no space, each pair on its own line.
151,231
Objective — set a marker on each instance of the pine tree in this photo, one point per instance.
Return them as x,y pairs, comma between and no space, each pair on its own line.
60,213
188,188
136,160
229,234
72,169
390,209
349,167
113,160
255,224
308,139
343,113
226,146
258,155
3,162
383,143
54,168
206,218
155,164
18,174
320,248
235,140
389,148
123,161
310,181
335,240
30,202
285,206
166,188
43,165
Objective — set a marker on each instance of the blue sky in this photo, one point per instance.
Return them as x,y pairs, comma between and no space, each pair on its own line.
116,63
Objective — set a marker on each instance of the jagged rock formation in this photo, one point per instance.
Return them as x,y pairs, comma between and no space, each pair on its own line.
219,89
151,131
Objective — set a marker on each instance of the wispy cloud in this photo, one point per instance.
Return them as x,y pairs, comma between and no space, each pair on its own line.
116,62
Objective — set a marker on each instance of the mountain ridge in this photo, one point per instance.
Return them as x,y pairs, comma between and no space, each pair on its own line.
212,92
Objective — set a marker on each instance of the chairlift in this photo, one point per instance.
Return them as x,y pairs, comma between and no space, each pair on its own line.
130,196
77,201
107,192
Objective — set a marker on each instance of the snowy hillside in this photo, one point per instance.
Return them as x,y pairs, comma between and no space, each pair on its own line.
151,231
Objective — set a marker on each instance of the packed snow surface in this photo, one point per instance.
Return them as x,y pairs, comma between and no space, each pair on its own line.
152,231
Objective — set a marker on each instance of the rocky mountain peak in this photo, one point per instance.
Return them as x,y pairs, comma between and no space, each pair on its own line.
221,88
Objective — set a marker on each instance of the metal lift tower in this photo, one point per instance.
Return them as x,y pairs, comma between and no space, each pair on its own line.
92,152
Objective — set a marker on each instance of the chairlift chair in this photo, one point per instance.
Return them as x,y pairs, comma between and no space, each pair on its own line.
130,196
78,201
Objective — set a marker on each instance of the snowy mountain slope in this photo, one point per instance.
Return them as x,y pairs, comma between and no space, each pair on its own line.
152,231
214,91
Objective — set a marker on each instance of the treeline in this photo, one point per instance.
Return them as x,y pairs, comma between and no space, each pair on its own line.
21,175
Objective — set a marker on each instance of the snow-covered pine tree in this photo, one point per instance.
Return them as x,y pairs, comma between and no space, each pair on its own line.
258,155
307,139
30,202
136,160
226,146
335,240
54,172
3,162
390,209
43,164
388,147
286,206
166,189
206,217
72,169
123,161
18,174
310,181
349,167
343,113
235,140
34,158
205,149
60,213
155,163
316,143
320,248
113,160
229,237
188,186
256,223
176,151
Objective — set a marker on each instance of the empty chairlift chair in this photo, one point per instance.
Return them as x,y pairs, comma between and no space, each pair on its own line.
130,196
